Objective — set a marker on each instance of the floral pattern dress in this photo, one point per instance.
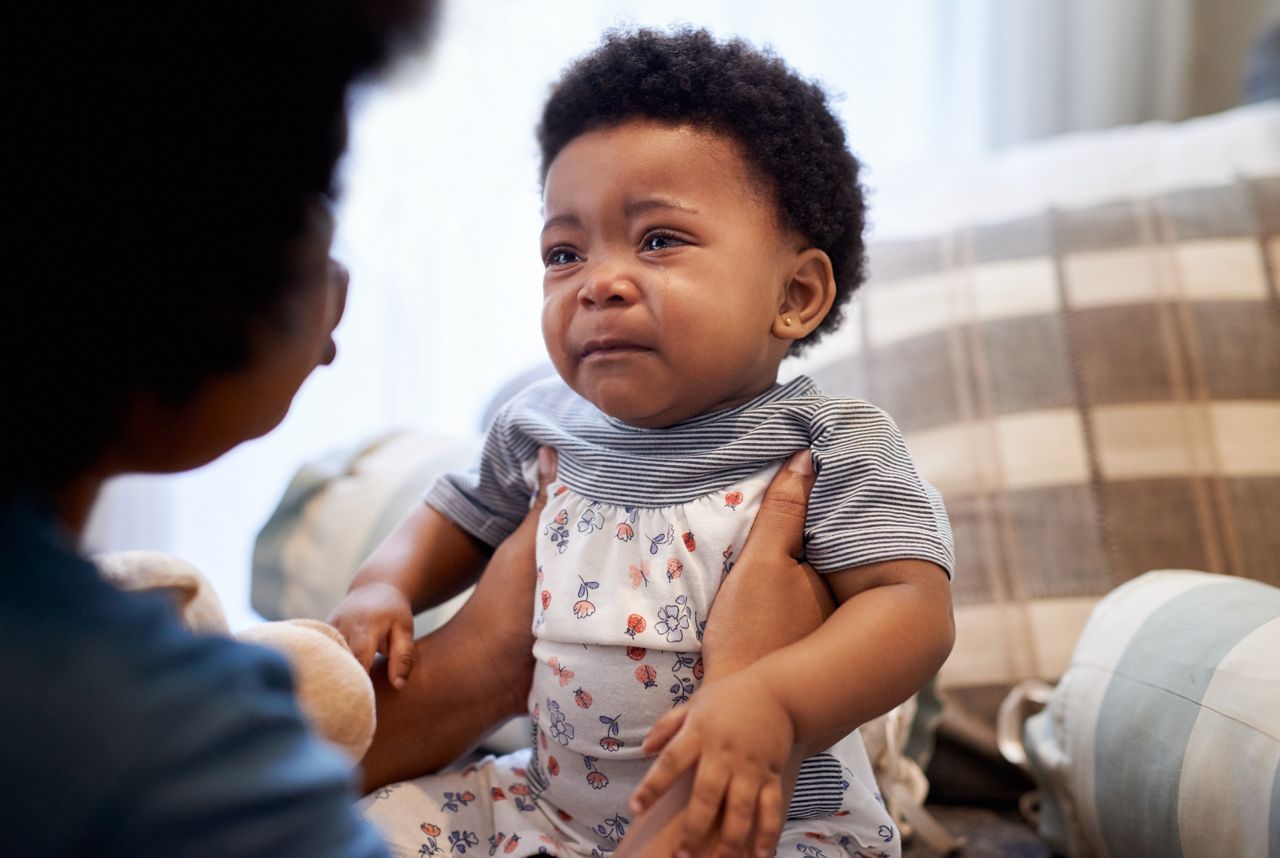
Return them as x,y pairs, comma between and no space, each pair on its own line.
622,599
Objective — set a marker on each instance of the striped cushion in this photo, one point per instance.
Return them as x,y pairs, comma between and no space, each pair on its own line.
1095,392
1163,737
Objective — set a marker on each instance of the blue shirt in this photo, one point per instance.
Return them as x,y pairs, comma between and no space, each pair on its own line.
123,734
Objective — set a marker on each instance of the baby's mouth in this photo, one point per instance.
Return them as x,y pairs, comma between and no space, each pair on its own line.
610,346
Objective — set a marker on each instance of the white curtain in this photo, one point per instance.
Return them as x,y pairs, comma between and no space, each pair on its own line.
440,215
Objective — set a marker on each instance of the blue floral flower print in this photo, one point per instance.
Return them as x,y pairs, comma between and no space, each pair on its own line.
495,840
591,521
454,800
655,542
885,832
432,846
610,742
614,828
558,531
810,851
561,729
673,620
683,686
727,566
460,841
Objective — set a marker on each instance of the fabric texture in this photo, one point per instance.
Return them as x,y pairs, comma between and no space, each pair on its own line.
1096,393
124,735
641,528
1163,737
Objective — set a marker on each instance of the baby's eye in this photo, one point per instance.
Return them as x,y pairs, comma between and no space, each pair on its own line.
560,256
660,241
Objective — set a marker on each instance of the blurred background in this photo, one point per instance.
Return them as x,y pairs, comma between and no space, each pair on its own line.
440,211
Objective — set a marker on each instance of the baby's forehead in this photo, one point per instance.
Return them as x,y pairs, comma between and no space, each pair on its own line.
641,157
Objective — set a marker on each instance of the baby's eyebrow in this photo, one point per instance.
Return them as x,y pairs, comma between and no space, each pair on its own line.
635,207
561,220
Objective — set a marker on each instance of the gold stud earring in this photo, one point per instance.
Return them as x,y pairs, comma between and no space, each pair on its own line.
786,320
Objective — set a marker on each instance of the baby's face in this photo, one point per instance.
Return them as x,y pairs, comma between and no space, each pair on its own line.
665,273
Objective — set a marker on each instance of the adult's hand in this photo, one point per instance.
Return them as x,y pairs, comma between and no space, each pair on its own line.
472,673
771,599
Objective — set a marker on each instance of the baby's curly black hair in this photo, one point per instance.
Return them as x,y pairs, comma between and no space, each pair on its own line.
787,132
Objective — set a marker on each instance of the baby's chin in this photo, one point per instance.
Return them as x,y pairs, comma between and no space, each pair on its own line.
637,407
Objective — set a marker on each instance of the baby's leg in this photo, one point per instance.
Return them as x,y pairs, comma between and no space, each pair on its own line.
484,809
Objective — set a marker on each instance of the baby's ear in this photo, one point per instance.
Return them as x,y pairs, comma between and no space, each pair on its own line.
807,296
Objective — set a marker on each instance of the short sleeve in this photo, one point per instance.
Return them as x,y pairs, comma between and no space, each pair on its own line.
490,499
869,504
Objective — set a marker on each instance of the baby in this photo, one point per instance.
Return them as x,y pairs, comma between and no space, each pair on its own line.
702,221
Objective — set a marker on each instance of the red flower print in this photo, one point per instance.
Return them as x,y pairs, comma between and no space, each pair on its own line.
674,569
467,796
512,844
689,543
430,830
496,794
564,815
598,780
582,698
519,788
562,517
520,770
546,599
561,489
583,608
542,737
635,625
553,766
636,653
698,670
626,532
732,499
647,675
610,744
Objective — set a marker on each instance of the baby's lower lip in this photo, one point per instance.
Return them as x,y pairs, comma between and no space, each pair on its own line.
615,351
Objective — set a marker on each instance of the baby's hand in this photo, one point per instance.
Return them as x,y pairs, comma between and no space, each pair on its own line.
377,617
740,737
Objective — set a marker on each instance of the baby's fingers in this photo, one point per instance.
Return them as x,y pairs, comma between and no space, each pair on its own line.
363,644
400,654
704,805
769,819
739,818
678,756
666,727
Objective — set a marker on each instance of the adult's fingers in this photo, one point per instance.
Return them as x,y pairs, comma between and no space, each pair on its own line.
779,526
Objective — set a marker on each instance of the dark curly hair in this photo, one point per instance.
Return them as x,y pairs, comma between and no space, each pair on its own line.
787,132
167,157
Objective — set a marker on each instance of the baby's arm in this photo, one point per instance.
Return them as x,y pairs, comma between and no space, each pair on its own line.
426,560
752,722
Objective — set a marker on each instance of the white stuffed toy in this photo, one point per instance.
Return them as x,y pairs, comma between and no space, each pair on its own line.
333,691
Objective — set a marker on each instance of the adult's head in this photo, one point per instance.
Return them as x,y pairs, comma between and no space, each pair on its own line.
172,286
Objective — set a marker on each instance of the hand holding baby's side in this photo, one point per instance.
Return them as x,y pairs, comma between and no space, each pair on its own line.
740,738
378,618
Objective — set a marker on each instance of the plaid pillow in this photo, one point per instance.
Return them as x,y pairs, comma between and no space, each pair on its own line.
1096,393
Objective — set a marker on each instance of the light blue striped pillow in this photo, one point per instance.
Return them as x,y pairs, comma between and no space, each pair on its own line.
1163,736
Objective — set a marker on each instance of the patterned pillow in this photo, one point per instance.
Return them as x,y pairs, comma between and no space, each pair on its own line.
1096,393
1163,737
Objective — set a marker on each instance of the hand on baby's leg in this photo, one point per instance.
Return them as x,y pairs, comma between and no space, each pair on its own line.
734,734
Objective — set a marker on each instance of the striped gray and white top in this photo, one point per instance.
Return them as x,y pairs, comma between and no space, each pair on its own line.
868,504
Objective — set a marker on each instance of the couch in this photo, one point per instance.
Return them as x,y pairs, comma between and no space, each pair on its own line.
1080,340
